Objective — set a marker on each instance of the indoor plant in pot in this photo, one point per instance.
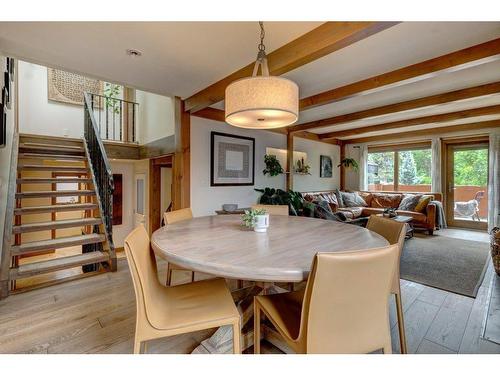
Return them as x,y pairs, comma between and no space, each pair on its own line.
258,219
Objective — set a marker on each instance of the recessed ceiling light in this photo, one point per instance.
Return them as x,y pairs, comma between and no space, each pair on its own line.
134,53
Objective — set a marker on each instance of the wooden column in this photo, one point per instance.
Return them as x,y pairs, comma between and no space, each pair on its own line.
342,168
182,159
289,161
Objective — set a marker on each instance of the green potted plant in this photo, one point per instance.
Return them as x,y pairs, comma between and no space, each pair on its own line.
290,198
302,167
273,166
258,219
349,162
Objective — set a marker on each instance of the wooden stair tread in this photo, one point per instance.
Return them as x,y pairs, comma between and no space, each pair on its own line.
55,208
31,269
35,180
56,224
61,168
57,243
53,193
51,145
50,149
32,155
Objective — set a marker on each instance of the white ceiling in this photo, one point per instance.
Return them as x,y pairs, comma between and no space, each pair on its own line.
181,58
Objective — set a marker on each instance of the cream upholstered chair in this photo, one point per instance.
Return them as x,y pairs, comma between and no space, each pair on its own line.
343,308
394,232
280,210
170,218
167,311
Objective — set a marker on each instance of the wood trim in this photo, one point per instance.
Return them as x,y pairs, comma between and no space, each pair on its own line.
342,168
455,61
155,166
181,174
157,148
323,40
447,97
481,125
396,170
289,161
400,147
444,117
5,254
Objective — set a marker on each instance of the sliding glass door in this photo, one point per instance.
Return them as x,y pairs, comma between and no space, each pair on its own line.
467,184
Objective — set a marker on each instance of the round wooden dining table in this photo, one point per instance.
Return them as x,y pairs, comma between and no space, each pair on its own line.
220,246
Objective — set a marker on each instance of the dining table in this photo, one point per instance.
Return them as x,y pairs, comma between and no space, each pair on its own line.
222,247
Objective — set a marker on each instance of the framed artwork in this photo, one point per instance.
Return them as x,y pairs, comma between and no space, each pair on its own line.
325,166
232,160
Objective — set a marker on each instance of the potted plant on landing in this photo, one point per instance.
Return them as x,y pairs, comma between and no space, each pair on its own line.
302,167
258,219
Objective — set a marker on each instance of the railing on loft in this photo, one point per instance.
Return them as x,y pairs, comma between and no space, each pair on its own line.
101,170
115,118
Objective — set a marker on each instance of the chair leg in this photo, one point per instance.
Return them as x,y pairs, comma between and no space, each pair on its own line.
256,327
192,277
236,338
401,324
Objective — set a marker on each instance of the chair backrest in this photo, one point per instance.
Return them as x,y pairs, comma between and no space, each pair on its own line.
394,232
281,210
345,308
178,215
142,264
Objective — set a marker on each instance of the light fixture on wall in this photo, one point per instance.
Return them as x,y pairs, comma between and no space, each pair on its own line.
262,102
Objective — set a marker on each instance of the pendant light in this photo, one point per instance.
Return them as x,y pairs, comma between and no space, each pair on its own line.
262,102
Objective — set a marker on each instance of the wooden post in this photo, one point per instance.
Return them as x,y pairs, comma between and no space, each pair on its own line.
342,168
182,159
289,161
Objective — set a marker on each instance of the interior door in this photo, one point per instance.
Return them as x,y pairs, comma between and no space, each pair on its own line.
140,200
467,185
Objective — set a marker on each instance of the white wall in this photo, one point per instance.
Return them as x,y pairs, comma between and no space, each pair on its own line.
5,153
352,176
314,150
156,116
126,169
206,199
38,114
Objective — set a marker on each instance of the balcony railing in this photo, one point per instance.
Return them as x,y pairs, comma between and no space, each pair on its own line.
116,118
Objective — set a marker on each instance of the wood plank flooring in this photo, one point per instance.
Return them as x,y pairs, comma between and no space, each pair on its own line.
97,315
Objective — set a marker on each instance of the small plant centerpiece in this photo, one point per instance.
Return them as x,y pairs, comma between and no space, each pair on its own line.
273,166
258,219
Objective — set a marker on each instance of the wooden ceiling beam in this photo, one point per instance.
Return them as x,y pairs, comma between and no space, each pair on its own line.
323,40
481,125
444,117
458,60
218,115
448,97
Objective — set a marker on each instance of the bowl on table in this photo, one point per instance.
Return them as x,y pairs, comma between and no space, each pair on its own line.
229,207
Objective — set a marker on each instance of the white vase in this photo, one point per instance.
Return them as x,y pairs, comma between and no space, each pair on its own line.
261,223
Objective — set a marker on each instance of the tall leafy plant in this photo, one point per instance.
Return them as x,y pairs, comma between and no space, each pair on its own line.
290,198
273,166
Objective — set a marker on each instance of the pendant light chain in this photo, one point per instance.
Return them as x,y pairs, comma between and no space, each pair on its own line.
261,55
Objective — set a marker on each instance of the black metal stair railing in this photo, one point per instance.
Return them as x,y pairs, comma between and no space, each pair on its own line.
102,175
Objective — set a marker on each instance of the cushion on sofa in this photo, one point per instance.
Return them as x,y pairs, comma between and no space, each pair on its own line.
367,211
423,202
367,197
339,198
409,202
417,216
352,212
380,200
352,199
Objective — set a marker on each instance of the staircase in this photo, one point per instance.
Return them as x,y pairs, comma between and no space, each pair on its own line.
57,207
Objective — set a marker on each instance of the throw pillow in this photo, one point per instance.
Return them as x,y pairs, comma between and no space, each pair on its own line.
352,200
381,200
423,202
409,202
339,198
367,197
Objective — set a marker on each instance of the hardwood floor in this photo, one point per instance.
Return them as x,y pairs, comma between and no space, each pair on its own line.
97,315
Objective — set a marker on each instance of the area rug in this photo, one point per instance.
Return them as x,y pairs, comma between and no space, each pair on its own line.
446,263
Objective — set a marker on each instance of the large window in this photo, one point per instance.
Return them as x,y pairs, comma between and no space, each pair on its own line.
399,169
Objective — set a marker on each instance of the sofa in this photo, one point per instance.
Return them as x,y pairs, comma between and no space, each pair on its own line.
372,203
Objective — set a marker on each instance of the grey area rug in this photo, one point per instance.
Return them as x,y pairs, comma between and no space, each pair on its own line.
446,263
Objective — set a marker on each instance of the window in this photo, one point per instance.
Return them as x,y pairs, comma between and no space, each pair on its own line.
399,169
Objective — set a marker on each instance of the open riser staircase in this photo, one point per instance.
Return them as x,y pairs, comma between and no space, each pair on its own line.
57,207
